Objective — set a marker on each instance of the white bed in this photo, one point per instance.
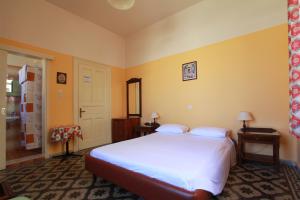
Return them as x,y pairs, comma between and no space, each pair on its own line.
183,160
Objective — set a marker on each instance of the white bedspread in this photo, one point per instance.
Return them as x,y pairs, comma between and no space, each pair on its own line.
183,160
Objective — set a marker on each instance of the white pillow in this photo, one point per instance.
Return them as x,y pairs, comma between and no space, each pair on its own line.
210,132
172,128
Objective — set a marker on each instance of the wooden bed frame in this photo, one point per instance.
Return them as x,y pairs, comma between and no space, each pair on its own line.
144,186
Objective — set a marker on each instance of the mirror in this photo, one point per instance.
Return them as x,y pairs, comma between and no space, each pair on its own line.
134,97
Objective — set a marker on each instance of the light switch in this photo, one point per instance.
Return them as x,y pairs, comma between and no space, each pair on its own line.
60,93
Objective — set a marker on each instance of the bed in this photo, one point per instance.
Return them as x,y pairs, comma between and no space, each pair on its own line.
163,166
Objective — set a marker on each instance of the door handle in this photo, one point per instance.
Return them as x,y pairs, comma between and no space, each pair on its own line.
80,112
3,111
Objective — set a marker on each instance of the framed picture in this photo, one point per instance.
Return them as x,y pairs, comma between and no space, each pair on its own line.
189,71
61,78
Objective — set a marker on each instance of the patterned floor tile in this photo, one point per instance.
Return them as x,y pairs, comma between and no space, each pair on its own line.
237,168
70,175
268,188
282,183
102,182
83,183
251,167
99,193
284,197
31,177
248,176
233,179
228,194
19,186
246,191
45,169
25,170
39,186
61,184
75,194
52,162
86,174
120,192
266,174
77,167
51,195
63,179
60,168
14,178
68,162
51,176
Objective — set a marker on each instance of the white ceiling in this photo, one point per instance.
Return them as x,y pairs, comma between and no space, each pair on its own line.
143,13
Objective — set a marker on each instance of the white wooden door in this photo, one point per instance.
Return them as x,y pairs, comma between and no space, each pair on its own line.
94,103
3,67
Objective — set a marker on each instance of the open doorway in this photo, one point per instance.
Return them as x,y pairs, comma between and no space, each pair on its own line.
23,108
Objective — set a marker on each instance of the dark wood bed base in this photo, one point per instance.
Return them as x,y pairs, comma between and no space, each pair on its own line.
144,186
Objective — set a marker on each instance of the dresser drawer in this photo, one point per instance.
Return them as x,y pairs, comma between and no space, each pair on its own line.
256,138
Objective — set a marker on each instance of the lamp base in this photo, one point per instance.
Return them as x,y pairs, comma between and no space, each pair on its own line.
244,124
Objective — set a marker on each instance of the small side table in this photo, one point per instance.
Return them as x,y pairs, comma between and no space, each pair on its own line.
64,134
144,130
259,138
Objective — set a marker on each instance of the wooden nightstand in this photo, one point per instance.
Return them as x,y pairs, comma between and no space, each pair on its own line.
259,138
145,130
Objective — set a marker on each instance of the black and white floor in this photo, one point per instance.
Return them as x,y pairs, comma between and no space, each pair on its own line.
58,179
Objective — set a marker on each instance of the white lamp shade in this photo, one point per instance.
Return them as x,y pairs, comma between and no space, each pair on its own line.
154,115
245,116
121,4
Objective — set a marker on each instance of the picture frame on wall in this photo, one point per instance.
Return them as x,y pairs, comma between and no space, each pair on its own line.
189,71
61,78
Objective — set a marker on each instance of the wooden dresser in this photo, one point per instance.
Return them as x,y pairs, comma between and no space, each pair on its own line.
124,128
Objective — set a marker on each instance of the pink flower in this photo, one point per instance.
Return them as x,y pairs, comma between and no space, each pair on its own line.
295,107
295,75
295,29
294,14
295,61
295,45
295,91
292,2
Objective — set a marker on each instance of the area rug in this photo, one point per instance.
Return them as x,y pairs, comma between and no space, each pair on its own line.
57,179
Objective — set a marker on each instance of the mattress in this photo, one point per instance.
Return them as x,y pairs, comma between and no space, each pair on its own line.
187,161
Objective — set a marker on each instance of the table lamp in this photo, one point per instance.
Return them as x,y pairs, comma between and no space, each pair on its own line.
154,116
245,116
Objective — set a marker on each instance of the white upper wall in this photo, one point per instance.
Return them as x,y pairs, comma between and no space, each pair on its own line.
207,22
42,24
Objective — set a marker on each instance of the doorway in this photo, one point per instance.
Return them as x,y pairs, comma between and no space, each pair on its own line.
44,58
92,102
23,108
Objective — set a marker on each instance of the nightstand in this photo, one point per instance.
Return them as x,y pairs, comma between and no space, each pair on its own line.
259,138
144,130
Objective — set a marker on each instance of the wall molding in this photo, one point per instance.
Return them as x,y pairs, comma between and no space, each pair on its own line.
25,52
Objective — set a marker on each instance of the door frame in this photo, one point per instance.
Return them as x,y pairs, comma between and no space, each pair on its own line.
3,62
76,63
45,88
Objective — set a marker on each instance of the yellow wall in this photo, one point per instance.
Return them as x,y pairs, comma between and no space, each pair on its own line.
60,109
118,92
247,73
